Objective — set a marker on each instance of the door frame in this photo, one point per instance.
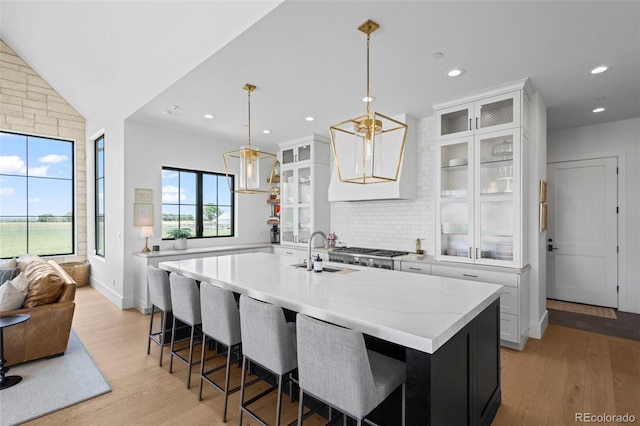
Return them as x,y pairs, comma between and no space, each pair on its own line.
623,301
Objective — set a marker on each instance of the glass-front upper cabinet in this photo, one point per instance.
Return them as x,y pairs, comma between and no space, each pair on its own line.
295,208
455,180
304,179
479,199
498,198
295,154
489,114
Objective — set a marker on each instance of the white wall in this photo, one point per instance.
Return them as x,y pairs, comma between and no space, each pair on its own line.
107,273
135,154
147,150
621,139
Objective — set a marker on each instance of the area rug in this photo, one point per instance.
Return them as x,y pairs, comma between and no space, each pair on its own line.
52,384
596,311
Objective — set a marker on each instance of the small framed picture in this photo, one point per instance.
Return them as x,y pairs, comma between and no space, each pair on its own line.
142,214
143,195
543,191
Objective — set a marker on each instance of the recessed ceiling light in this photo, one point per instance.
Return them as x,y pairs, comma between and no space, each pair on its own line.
600,69
368,99
309,118
437,55
174,107
455,72
266,131
167,112
599,109
209,116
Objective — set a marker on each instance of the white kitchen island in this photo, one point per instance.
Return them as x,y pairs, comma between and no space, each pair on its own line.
446,330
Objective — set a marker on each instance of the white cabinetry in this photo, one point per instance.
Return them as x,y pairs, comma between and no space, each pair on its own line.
304,179
480,170
488,114
415,267
514,298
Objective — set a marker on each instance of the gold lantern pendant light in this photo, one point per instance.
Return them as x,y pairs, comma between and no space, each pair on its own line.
249,162
368,148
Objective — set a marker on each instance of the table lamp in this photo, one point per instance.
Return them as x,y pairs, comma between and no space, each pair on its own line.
146,232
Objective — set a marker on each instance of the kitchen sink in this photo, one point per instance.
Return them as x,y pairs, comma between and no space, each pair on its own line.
324,268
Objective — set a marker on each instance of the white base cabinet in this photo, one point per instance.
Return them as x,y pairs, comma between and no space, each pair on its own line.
514,298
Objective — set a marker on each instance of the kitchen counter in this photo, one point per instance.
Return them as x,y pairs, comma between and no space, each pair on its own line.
430,260
449,328
413,311
201,250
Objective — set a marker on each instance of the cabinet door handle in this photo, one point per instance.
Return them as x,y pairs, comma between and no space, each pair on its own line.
476,123
470,253
470,125
470,275
415,269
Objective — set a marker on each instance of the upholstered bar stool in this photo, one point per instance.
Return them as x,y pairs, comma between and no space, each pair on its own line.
220,322
335,367
269,341
185,298
160,298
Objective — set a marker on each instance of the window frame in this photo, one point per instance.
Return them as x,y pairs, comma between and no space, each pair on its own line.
199,205
27,176
97,179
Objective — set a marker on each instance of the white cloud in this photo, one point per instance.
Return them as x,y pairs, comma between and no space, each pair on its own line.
171,194
39,171
53,158
12,164
169,174
7,191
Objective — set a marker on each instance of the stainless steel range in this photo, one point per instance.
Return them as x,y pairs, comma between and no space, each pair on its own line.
375,258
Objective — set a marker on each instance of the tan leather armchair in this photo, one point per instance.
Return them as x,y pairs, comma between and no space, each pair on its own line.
45,334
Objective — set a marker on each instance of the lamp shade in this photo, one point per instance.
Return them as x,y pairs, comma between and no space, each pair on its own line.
368,148
146,232
246,161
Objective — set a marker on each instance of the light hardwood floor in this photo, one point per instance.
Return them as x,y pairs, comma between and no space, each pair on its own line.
568,371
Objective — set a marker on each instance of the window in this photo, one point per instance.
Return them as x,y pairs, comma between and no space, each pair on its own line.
99,194
196,200
36,195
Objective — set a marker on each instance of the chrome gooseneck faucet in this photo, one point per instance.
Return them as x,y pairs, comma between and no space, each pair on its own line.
326,243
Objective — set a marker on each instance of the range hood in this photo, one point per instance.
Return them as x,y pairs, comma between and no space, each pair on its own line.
402,189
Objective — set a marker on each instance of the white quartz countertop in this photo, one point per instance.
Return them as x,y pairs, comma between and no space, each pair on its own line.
418,311
198,250
411,257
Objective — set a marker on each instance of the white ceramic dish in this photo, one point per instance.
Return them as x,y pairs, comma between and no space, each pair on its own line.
458,162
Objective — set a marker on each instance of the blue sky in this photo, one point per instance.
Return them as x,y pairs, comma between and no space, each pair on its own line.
36,176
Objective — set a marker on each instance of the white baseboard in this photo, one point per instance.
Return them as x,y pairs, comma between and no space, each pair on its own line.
108,293
536,329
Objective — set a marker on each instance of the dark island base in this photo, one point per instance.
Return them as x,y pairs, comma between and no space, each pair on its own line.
457,385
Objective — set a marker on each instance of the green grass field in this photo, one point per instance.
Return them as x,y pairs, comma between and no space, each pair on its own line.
44,238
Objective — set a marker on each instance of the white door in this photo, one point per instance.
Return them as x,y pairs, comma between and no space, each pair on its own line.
582,231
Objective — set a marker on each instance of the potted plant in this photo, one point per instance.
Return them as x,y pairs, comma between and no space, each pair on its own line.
180,235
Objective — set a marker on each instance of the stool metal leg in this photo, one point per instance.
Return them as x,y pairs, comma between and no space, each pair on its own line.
150,330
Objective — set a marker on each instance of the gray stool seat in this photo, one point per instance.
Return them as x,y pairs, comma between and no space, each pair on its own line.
185,297
220,322
269,341
335,367
160,298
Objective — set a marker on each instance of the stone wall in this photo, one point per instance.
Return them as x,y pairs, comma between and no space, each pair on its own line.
29,105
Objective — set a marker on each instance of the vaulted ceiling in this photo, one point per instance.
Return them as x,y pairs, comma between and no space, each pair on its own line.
308,58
